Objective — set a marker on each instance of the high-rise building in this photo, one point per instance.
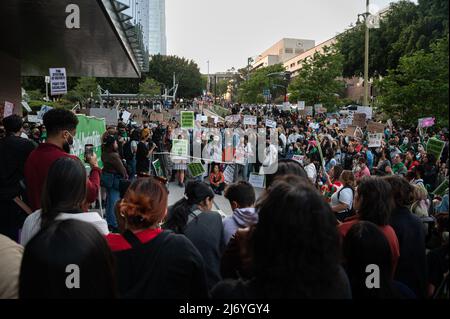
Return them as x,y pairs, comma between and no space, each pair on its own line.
141,15
157,33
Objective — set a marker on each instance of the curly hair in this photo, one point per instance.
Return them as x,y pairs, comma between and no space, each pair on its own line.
58,120
144,203
295,244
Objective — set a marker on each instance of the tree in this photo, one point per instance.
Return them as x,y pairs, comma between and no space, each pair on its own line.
318,81
251,91
85,89
405,29
187,73
418,87
150,87
221,87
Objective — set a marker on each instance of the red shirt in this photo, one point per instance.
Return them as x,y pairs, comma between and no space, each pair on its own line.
387,230
118,243
36,171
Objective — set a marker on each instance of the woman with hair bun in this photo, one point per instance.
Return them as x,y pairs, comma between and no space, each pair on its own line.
153,263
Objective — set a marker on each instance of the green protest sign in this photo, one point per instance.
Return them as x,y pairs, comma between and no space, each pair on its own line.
441,189
187,120
179,147
158,169
196,169
89,131
435,147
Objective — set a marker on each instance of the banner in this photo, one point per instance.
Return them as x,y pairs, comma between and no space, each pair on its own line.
375,139
126,116
359,120
257,180
187,120
427,122
180,148
301,105
89,131
229,174
58,81
111,116
196,169
33,119
435,147
250,120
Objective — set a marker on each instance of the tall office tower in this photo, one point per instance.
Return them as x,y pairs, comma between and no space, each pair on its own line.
157,21
141,15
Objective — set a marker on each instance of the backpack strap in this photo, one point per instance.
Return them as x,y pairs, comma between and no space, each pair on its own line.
134,242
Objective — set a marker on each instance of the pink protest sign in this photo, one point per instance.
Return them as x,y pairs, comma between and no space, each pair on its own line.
427,122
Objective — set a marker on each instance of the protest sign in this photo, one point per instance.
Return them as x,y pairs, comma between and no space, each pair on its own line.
298,158
375,139
359,120
366,110
198,118
426,122
321,110
374,127
196,169
89,131
33,119
271,123
435,147
8,110
126,116
441,189
44,109
250,120
211,120
158,168
187,120
58,81
257,180
350,131
309,110
180,147
317,107
229,174
111,116
27,106
333,121
137,116
301,105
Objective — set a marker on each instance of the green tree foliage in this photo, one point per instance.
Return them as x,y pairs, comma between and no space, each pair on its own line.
85,89
251,91
419,86
318,81
150,87
221,87
187,74
405,29
120,85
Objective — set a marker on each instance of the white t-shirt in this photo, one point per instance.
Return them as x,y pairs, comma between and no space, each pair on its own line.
345,197
32,224
311,171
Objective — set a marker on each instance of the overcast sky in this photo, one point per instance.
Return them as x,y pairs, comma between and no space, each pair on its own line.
227,32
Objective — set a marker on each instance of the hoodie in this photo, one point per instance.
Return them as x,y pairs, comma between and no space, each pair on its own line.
241,218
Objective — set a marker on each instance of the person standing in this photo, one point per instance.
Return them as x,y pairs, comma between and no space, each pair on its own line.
61,126
14,151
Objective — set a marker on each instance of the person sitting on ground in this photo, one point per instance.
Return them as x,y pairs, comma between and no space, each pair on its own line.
192,216
342,200
217,180
292,214
241,196
63,197
69,259
152,263
61,126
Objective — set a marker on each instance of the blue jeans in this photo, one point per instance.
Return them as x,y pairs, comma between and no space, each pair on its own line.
113,196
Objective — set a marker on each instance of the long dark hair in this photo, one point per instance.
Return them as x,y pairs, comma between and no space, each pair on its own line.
365,245
64,189
286,167
295,244
376,200
195,193
44,272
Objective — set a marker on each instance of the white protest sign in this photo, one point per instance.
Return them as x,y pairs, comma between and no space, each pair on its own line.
8,110
366,110
26,106
33,119
179,149
333,121
375,139
257,180
111,116
58,81
250,120
271,123
317,107
308,110
298,158
301,105
228,174
44,109
126,116
198,117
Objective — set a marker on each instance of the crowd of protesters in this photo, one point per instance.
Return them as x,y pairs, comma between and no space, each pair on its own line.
334,206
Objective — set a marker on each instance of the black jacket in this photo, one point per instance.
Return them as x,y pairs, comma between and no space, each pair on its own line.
167,267
412,264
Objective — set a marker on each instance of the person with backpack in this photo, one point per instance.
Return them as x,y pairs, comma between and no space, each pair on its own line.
342,200
129,153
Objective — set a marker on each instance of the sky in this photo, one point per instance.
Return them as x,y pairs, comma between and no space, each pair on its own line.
228,32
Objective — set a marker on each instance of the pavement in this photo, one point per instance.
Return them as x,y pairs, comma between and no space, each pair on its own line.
221,204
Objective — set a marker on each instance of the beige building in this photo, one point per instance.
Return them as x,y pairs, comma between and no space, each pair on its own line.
282,51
